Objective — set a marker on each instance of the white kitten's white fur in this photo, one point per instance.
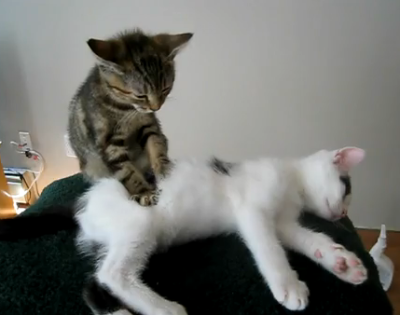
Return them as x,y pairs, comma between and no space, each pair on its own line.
260,200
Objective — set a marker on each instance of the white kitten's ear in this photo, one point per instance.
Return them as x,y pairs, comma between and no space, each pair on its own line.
348,157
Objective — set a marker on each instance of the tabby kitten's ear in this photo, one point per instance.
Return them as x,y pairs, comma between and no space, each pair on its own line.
173,43
108,52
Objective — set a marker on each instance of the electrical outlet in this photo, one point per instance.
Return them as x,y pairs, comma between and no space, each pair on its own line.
25,139
68,148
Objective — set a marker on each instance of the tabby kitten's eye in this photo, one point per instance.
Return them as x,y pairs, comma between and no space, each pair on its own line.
121,90
141,96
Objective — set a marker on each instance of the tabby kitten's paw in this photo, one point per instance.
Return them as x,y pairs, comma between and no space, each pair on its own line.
290,292
147,199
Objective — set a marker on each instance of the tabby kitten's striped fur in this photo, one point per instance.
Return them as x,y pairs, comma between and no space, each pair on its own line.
112,125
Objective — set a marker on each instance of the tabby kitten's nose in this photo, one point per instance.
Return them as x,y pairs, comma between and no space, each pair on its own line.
154,103
155,107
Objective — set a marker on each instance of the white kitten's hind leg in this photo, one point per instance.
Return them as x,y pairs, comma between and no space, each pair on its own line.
323,250
260,237
121,268
120,272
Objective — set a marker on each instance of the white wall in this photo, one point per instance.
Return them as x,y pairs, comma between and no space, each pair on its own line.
260,77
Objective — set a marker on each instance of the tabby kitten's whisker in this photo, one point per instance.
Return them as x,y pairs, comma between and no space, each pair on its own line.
171,98
126,118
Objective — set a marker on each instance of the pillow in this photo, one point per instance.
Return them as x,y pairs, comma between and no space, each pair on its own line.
45,275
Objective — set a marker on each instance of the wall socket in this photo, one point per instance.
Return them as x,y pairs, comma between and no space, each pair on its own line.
25,139
68,148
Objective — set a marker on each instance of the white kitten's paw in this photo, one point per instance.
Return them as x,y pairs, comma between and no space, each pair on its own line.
344,264
291,293
171,308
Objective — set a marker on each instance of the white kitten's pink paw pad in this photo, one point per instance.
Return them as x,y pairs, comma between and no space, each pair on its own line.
318,254
345,265
340,265
291,293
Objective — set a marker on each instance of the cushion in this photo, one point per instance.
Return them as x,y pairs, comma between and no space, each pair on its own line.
45,275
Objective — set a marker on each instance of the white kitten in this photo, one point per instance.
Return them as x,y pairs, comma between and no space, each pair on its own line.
260,200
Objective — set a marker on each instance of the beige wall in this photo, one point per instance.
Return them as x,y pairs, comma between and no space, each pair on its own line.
260,77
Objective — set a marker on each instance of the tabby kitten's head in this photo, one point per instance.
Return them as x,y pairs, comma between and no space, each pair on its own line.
138,69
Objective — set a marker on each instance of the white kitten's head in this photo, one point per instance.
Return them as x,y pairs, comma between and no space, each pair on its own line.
326,181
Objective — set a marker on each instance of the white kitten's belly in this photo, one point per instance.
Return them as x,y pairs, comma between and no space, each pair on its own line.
184,221
192,205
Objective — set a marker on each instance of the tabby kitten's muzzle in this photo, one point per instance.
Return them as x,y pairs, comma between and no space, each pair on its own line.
155,102
155,107
151,108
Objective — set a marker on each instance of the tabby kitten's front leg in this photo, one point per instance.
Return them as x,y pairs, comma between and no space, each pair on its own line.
157,149
116,156
141,191
156,146
154,142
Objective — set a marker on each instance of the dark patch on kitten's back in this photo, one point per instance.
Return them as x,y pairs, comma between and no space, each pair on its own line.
221,167
346,180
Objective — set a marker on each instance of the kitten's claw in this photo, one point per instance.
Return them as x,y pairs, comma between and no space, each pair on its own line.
147,199
345,265
291,293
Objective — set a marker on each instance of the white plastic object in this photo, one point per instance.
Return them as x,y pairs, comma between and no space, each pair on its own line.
384,264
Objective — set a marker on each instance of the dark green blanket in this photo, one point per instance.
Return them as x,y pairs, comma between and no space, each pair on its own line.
215,276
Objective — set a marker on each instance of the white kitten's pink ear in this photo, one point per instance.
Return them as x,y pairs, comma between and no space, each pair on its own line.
348,157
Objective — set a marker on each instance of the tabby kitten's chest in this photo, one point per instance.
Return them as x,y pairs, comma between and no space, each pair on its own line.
128,131
129,128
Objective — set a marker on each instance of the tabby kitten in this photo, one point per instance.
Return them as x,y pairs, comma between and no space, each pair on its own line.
112,125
